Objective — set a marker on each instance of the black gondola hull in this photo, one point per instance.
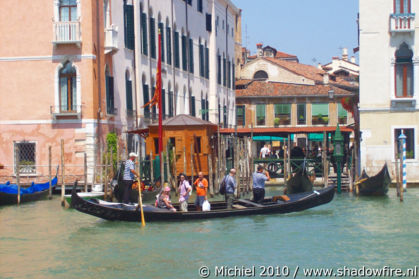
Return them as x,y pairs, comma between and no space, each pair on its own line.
376,185
7,199
121,212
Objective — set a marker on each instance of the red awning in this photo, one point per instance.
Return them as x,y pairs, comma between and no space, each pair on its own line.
286,130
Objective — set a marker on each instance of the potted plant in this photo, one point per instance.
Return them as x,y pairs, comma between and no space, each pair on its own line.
276,121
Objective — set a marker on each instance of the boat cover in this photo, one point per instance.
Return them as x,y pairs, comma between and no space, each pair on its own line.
34,188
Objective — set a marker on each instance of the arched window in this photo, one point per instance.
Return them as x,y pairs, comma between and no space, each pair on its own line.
68,10
128,92
404,72
260,75
68,88
110,100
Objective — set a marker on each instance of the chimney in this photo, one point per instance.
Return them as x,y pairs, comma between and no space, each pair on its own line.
325,78
259,51
319,66
353,59
345,54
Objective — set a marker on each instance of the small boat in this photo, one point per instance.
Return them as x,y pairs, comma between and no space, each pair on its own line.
125,212
37,191
299,183
86,196
375,185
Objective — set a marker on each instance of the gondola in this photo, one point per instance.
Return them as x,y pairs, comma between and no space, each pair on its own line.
375,185
299,183
37,191
241,207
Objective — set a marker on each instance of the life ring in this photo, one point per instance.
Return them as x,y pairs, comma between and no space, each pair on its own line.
272,168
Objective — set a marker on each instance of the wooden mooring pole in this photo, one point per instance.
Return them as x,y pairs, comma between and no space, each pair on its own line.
62,173
49,172
85,172
17,162
151,168
105,186
210,178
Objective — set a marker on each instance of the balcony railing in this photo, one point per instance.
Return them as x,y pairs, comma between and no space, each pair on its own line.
67,32
111,38
61,112
111,111
402,22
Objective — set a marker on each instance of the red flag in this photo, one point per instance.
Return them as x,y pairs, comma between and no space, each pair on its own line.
347,104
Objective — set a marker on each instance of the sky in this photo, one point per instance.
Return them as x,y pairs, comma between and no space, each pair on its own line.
313,30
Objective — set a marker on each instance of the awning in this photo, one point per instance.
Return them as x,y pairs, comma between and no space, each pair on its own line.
271,138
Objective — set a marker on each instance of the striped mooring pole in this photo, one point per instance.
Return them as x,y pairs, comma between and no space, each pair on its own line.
402,139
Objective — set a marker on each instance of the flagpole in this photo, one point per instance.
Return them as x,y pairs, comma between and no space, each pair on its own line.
160,113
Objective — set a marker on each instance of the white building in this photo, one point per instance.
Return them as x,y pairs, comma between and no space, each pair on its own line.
389,68
198,53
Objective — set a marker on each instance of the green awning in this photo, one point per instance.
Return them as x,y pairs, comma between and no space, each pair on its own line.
271,138
316,136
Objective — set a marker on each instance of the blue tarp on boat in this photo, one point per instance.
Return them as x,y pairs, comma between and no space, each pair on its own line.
12,188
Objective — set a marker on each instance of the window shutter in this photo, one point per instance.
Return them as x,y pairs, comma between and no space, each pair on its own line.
206,62
146,99
184,60
129,26
144,48
109,95
224,71
199,6
153,109
201,61
225,116
170,104
233,78
128,90
161,27
208,22
322,109
203,112
152,38
207,107
193,106
219,69
169,45
228,74
176,49
191,64
163,103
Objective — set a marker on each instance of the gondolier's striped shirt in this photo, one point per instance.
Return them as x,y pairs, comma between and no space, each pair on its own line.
128,175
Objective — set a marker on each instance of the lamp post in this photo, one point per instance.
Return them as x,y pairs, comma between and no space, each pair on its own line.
338,154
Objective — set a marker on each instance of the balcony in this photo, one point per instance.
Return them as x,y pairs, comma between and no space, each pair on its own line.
402,23
403,104
111,39
59,112
67,32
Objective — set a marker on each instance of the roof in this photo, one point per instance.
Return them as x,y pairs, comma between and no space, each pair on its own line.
185,120
286,130
280,54
279,89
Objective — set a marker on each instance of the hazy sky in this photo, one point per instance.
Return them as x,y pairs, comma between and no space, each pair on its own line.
314,30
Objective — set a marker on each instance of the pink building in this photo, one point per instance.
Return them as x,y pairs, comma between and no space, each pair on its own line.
52,82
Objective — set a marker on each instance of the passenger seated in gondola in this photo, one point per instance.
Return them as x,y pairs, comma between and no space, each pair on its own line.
163,200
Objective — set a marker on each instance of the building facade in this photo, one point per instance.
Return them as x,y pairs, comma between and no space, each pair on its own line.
388,93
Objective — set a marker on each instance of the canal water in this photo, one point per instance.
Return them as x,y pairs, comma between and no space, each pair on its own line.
44,240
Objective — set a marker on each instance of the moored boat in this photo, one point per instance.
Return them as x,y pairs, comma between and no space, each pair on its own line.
37,191
376,185
241,207
299,183
86,196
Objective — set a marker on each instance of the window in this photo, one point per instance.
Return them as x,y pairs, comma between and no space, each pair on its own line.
144,48
207,110
233,78
25,155
199,6
260,114
225,119
301,114
156,145
320,114
68,10
201,61
68,88
152,38
197,146
206,62
224,71
176,50
129,26
169,45
404,72
193,112
110,103
219,69
240,116
229,74
203,112
191,64
146,100
153,108
208,22
402,6
170,104
260,75
410,141
342,114
219,114
282,114
161,29
128,93
184,59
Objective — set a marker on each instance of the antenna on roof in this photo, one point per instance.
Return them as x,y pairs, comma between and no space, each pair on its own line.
314,60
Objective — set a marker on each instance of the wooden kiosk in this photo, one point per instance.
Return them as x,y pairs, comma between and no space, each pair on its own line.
191,138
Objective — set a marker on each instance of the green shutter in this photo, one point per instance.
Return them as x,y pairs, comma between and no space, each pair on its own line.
161,28
282,109
322,109
176,49
184,60
206,62
219,69
191,64
128,91
110,105
229,74
341,111
201,61
163,102
233,78
146,99
224,71
144,48
193,106
169,45
260,110
129,26
152,38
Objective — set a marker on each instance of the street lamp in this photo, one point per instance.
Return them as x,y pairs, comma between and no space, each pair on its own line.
338,154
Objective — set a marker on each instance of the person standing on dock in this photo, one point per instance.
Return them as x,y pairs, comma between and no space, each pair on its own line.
128,178
184,192
201,185
259,179
230,187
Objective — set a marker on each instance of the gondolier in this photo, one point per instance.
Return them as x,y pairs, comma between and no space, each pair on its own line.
128,178
259,178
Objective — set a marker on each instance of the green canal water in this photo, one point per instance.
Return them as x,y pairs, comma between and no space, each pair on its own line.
44,240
